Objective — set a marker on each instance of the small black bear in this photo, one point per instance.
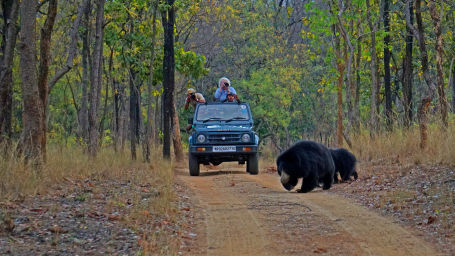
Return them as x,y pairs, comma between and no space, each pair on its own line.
345,163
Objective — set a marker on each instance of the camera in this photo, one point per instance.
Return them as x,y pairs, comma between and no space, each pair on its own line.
226,84
193,96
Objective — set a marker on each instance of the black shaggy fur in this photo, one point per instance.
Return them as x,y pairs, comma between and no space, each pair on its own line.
344,164
308,160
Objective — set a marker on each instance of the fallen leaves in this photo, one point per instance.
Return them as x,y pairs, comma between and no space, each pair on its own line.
57,229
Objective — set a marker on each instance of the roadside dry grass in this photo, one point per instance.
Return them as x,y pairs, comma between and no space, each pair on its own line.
110,189
414,186
402,145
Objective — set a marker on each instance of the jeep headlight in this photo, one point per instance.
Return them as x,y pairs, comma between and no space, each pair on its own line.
201,138
246,137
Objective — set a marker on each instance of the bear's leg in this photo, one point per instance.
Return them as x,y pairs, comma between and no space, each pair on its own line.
327,181
335,177
355,175
308,184
347,175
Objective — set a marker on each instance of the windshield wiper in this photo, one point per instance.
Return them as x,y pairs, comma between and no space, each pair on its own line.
210,119
236,118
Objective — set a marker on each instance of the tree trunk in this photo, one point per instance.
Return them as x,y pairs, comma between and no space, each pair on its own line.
83,113
407,67
157,122
388,92
452,83
340,68
43,71
134,114
116,115
374,80
9,34
348,64
168,76
443,105
356,109
106,95
96,79
32,116
427,96
148,126
176,138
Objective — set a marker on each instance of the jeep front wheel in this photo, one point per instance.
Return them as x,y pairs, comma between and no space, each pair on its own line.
193,165
252,164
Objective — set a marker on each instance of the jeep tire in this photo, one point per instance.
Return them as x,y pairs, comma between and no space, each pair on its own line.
252,164
193,165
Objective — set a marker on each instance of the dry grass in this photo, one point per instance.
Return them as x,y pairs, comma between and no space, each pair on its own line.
403,146
69,163
72,166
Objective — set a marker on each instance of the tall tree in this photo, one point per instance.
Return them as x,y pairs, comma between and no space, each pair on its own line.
135,110
436,17
388,92
168,18
32,116
426,96
148,126
10,13
452,83
340,67
407,65
44,60
82,114
373,68
95,80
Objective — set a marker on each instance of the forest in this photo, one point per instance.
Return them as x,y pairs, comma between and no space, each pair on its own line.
114,74
93,118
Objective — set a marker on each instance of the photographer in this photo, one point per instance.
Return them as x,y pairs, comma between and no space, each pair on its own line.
192,97
224,89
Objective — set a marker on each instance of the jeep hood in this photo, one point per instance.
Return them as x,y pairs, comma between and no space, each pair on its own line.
223,128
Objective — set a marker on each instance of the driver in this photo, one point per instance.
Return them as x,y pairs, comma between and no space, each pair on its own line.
230,97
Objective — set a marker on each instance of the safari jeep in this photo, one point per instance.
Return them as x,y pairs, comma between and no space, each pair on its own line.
223,132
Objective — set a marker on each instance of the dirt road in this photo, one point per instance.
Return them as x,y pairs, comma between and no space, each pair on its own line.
254,215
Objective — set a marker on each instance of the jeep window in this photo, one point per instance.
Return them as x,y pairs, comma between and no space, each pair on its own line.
223,112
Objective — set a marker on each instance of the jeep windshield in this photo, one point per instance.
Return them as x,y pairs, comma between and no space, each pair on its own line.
222,112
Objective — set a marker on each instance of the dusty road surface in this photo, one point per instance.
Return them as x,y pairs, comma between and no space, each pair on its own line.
253,215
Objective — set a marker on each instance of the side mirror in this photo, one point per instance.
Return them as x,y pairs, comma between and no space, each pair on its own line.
190,120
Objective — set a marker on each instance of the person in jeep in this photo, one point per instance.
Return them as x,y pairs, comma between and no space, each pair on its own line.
192,98
230,97
224,89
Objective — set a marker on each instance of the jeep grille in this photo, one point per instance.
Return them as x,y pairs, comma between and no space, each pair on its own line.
221,138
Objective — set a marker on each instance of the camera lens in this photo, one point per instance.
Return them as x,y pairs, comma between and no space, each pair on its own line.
226,84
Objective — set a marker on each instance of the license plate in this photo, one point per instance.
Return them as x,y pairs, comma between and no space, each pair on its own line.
224,149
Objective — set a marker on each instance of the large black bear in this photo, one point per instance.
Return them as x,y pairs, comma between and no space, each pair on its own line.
308,160
344,164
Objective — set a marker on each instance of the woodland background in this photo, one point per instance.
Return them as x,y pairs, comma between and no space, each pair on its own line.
96,74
